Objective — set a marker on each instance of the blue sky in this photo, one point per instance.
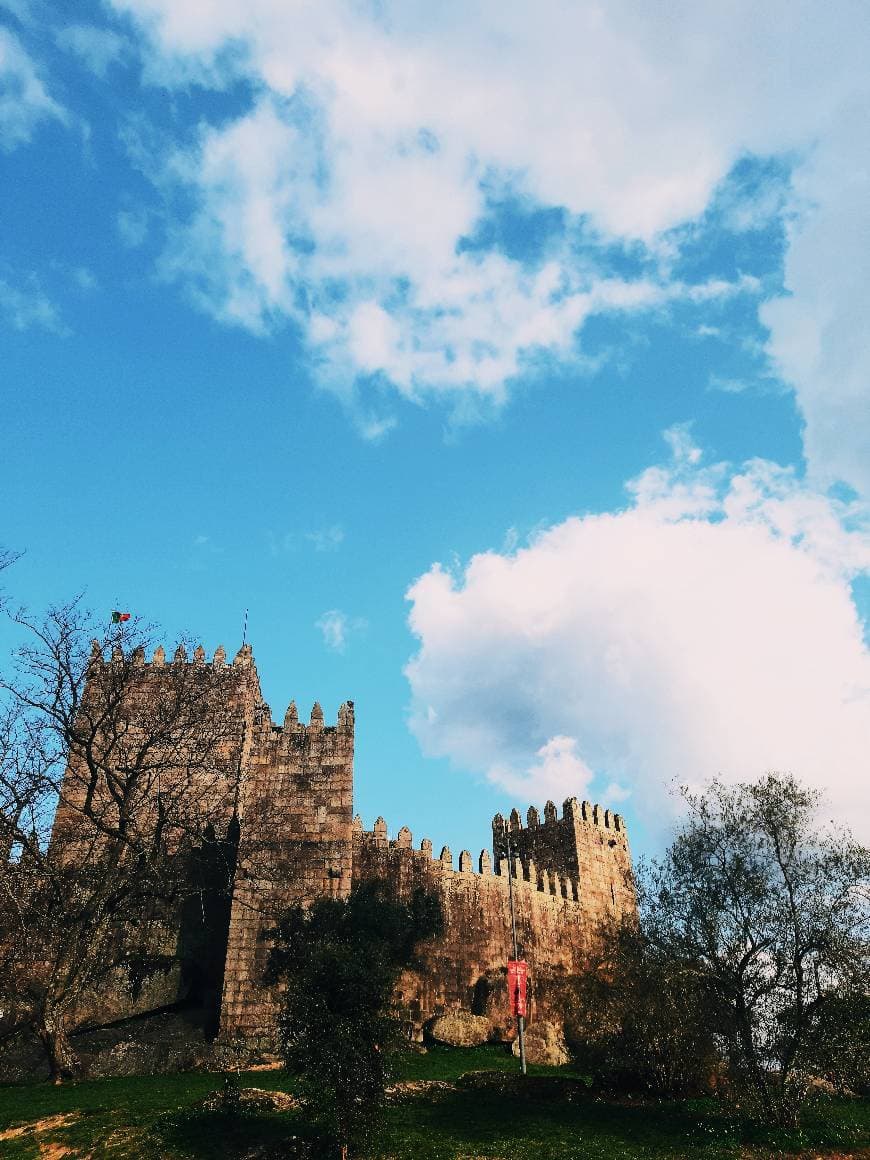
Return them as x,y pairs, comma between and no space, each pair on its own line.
513,374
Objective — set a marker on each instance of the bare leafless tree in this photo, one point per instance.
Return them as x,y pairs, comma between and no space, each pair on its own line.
112,772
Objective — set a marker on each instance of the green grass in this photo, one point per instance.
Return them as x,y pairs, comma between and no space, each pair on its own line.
153,1118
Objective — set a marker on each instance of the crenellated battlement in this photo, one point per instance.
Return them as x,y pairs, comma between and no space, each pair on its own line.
293,732
242,663
572,810
587,844
526,874
244,658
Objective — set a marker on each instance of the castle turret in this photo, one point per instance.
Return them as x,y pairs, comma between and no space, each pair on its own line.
587,845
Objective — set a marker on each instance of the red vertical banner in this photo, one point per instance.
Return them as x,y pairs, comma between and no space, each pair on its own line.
518,974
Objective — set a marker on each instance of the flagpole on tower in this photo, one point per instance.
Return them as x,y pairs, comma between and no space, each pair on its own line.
243,737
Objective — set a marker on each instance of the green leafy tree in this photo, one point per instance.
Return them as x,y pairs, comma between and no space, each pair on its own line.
339,961
639,1019
768,916
840,1052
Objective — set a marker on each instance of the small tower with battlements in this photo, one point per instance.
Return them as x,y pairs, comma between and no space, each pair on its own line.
587,844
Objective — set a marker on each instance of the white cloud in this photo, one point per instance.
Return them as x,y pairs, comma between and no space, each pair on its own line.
84,278
96,47
707,628
326,539
819,333
557,764
727,385
337,628
203,551
23,306
24,100
252,178
379,129
20,9
132,225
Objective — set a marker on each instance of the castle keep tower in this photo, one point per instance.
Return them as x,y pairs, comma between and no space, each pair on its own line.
271,806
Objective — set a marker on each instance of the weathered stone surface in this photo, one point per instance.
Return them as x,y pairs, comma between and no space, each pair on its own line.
130,1057
290,1148
545,1043
286,798
460,1029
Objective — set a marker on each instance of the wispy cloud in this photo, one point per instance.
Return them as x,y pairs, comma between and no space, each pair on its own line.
24,100
326,539
132,225
203,552
97,48
82,277
26,305
21,9
728,386
337,628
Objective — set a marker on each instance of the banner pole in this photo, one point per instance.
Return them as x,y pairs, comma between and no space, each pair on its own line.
520,1019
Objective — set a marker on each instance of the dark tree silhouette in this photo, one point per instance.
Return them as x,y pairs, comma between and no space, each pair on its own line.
339,961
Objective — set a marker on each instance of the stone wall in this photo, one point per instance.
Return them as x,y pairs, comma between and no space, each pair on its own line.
204,704
465,968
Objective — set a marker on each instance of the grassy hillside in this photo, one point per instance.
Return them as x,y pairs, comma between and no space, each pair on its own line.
490,1113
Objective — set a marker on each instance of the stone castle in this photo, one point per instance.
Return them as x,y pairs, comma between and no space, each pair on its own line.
287,832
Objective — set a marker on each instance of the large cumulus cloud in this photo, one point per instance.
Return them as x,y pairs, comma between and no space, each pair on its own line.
707,628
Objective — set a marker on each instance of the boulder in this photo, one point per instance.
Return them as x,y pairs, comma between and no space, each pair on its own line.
460,1029
545,1043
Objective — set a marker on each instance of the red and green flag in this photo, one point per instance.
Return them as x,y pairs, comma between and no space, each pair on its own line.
120,617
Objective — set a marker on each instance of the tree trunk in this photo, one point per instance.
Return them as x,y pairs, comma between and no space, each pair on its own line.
52,1032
